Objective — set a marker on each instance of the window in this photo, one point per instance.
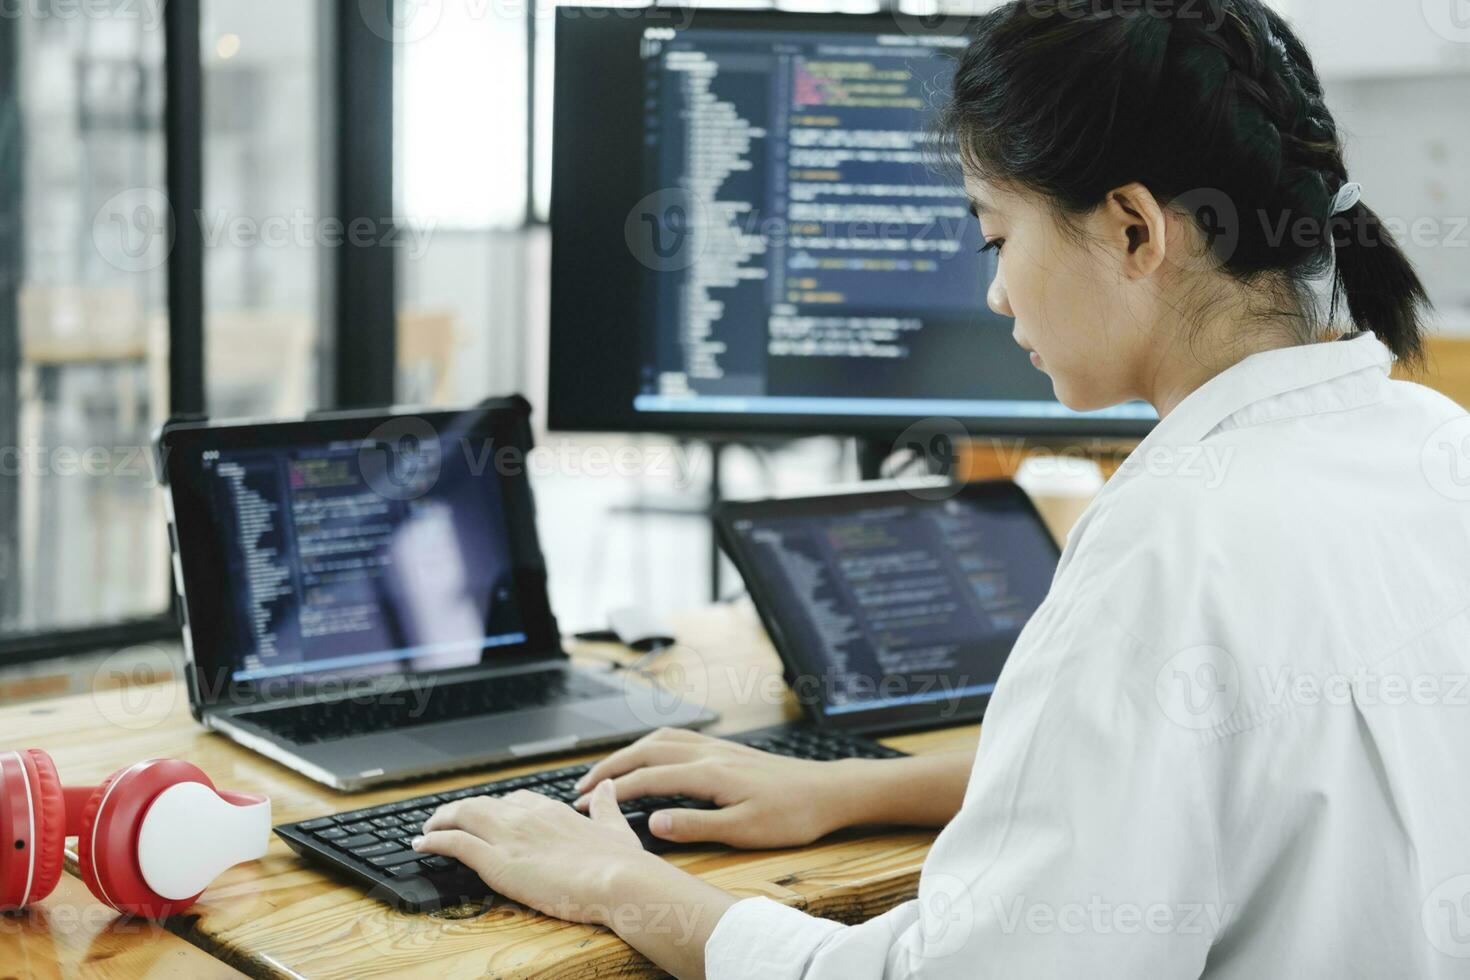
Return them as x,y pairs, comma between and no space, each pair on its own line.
83,319
463,263
267,239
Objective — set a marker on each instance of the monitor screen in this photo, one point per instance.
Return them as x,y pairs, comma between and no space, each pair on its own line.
752,233
885,601
350,547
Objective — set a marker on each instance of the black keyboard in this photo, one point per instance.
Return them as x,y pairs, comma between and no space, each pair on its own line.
326,721
372,845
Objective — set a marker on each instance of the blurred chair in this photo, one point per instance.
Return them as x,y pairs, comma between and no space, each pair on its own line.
428,341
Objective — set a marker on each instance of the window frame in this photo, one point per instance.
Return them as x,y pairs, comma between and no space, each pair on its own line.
360,323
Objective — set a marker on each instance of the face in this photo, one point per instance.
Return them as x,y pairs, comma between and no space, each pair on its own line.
1075,300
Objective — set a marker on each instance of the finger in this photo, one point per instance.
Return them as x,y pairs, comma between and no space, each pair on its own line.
724,826
476,815
646,752
604,808
685,779
465,848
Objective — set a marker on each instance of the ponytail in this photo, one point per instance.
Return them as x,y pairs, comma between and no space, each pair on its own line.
1383,291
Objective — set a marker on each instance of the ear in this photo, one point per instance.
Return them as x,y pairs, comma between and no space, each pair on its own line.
1136,225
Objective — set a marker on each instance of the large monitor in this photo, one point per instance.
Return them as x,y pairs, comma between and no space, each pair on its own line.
751,235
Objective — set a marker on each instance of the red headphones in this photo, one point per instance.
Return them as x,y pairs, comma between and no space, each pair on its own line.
150,839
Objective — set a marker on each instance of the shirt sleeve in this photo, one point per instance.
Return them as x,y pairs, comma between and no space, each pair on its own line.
1082,847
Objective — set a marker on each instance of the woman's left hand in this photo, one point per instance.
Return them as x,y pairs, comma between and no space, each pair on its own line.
539,852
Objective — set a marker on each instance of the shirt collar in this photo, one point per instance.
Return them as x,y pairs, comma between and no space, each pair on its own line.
1262,376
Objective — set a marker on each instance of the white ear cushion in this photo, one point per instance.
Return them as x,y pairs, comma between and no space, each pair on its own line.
190,835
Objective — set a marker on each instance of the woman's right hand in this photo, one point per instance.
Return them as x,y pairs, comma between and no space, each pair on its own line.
765,800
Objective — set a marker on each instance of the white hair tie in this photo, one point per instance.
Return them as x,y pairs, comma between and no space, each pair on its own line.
1348,196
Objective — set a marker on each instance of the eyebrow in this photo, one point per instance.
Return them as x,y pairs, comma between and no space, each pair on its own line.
978,208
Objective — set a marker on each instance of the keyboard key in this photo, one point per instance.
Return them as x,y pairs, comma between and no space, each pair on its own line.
361,840
331,833
389,860
320,824
365,827
438,862
377,847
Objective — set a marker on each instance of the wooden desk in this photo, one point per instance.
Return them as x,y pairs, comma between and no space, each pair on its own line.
282,917
71,934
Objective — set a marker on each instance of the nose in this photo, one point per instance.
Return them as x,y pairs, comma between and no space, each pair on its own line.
996,297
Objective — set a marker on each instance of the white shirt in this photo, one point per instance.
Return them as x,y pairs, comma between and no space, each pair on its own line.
1233,741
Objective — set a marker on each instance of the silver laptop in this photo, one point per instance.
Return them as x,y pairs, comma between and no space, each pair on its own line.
364,597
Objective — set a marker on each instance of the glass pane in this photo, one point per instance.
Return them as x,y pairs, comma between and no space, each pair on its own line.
82,539
461,188
267,248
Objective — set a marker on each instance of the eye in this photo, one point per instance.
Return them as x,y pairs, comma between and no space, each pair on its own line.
994,245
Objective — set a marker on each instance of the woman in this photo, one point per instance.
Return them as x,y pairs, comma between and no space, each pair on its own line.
1229,743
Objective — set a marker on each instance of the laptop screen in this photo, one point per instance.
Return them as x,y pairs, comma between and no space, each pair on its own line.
885,602
334,552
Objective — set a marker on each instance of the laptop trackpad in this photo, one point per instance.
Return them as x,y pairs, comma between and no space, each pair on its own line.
476,735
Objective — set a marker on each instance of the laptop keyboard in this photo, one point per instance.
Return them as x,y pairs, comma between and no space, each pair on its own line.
372,845
326,721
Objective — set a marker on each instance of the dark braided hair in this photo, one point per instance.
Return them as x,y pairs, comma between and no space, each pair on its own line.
1214,106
